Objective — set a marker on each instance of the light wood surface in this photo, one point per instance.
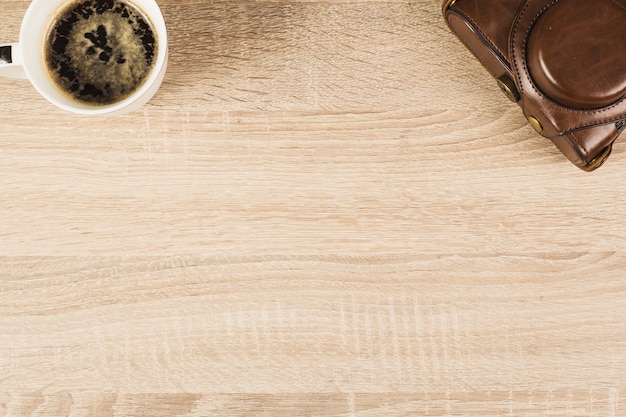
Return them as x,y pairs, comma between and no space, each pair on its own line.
328,209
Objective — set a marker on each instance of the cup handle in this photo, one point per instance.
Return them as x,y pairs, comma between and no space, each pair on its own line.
11,61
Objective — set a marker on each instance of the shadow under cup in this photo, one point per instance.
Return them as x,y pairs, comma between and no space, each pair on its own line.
42,14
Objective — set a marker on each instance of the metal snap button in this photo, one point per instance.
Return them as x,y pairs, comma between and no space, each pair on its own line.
507,85
535,124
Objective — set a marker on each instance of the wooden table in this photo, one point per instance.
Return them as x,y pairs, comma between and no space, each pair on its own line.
328,209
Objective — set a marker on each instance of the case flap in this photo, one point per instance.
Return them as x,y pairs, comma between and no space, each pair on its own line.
574,83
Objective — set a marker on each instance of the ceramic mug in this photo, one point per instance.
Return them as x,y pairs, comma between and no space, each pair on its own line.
27,59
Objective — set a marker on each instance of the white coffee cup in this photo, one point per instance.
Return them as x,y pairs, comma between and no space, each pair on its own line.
26,58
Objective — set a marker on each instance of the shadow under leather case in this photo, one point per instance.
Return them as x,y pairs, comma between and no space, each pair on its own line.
562,61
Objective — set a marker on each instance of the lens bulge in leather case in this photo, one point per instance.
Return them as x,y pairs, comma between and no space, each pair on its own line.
576,53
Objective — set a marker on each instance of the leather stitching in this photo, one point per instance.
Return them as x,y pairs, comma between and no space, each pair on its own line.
527,72
530,27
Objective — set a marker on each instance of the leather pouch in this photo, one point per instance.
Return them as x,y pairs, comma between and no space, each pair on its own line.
562,61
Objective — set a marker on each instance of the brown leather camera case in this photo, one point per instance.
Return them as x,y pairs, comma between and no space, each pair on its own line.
562,61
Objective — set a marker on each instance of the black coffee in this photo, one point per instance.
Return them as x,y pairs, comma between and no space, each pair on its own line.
100,51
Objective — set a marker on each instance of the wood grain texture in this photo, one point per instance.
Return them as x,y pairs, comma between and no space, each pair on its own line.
327,210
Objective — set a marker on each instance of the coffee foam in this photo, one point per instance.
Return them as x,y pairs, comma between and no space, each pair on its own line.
100,52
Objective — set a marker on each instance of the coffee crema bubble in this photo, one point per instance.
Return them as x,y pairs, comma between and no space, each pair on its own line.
100,52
